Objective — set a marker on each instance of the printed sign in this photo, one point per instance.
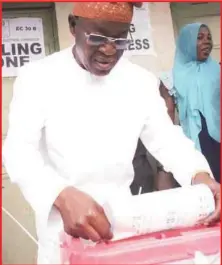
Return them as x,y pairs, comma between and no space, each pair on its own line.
141,33
22,42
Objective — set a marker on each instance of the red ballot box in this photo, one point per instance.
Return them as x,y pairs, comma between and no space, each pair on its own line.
166,247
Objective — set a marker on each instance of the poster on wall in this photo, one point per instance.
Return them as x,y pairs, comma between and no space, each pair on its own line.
22,42
140,33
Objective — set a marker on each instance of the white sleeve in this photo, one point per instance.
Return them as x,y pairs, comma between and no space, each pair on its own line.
167,142
39,183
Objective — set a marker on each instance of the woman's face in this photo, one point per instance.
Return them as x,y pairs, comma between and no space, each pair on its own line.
204,43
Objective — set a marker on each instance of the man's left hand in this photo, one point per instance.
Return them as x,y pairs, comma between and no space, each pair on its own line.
204,178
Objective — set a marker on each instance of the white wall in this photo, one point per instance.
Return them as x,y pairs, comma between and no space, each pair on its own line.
62,12
163,35
207,13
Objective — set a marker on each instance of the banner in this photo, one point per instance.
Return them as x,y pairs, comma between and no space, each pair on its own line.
141,33
22,42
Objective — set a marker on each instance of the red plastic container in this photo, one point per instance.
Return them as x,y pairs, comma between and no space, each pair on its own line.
157,248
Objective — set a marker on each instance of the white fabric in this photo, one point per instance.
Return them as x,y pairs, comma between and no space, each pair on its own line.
68,128
167,79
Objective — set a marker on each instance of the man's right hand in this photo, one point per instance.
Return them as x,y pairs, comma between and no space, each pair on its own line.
82,216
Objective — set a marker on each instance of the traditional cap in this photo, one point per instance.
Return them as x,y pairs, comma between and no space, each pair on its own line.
110,11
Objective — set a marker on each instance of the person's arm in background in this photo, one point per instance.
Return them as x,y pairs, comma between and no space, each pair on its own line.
168,144
168,100
164,180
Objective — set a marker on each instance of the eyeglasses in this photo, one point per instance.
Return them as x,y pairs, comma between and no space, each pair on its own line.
97,40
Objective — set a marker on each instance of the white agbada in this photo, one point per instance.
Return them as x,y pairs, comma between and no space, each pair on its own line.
68,128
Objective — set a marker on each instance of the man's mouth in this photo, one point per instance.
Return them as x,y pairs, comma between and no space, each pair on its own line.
104,65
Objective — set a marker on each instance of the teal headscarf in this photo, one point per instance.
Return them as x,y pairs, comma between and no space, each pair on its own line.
197,86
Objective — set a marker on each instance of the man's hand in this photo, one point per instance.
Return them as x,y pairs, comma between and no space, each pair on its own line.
82,216
204,178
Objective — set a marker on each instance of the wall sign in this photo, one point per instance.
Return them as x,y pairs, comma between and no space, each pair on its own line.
141,33
22,42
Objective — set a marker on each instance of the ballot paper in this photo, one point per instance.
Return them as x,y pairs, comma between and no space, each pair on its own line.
158,211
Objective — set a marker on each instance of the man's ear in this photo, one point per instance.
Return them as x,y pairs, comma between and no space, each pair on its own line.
72,24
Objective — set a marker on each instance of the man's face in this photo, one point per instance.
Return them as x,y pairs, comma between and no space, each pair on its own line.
97,56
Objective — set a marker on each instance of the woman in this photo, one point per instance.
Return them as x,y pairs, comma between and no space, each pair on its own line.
196,78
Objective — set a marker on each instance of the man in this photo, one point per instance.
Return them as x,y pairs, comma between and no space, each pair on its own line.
77,105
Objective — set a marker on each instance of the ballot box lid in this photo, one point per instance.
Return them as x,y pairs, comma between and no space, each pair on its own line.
157,248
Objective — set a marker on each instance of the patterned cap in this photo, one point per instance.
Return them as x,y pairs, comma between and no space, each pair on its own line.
110,11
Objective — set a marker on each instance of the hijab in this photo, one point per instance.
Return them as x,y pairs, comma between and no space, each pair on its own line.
197,86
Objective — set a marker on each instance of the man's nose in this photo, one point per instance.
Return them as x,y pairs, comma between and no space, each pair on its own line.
109,49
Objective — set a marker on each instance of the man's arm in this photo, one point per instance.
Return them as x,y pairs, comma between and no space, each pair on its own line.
168,144
39,183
